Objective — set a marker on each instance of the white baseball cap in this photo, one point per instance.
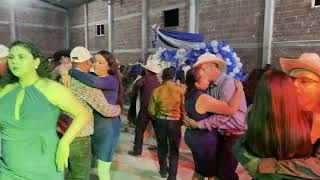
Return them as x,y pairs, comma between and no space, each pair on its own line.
4,51
80,54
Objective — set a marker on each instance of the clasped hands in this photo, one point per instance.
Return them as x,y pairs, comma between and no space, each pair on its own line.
190,123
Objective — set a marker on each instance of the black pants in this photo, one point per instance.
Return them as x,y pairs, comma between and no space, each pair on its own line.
168,131
141,125
226,161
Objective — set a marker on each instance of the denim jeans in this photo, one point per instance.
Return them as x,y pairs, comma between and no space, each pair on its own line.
80,159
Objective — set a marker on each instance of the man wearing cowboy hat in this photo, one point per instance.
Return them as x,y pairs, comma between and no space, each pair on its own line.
145,86
306,73
4,52
230,128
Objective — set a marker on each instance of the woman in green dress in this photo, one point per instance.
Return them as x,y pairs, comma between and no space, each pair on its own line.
29,108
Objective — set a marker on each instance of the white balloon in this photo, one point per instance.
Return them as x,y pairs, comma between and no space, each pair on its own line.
239,65
226,48
181,53
228,63
215,50
197,47
236,70
237,59
227,59
232,74
214,43
234,54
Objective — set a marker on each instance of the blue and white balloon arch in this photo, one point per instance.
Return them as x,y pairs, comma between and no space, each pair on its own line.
174,48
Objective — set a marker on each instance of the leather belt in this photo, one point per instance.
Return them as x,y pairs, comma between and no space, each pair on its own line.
167,118
230,134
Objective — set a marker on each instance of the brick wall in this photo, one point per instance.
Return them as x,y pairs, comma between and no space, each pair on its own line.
296,29
5,35
76,16
77,37
236,22
295,20
239,22
127,25
156,16
97,11
97,43
36,22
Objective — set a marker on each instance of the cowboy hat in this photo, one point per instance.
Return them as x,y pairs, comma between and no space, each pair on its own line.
4,51
152,66
207,57
308,61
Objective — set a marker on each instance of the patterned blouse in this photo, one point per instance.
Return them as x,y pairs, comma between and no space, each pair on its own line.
93,99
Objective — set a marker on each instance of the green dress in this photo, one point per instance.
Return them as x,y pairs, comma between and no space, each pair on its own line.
29,138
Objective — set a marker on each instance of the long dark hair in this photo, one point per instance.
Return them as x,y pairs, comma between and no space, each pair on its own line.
9,78
277,126
249,86
193,76
114,70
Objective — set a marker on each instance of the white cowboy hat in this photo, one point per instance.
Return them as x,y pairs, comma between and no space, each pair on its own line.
4,51
308,61
207,57
152,66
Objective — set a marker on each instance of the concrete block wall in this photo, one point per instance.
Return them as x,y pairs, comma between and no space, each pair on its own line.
127,33
296,29
34,21
239,23
156,8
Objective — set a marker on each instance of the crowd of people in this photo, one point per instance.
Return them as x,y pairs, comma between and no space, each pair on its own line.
66,111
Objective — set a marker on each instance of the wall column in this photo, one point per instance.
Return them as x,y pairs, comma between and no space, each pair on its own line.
110,26
268,31
67,31
144,23
13,32
86,39
194,16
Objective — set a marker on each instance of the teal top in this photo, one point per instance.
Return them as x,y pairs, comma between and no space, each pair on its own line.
29,139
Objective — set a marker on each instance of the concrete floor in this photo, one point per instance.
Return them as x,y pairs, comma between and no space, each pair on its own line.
145,167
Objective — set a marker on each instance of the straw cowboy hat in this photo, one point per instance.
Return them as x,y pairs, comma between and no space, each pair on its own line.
308,61
207,57
152,66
